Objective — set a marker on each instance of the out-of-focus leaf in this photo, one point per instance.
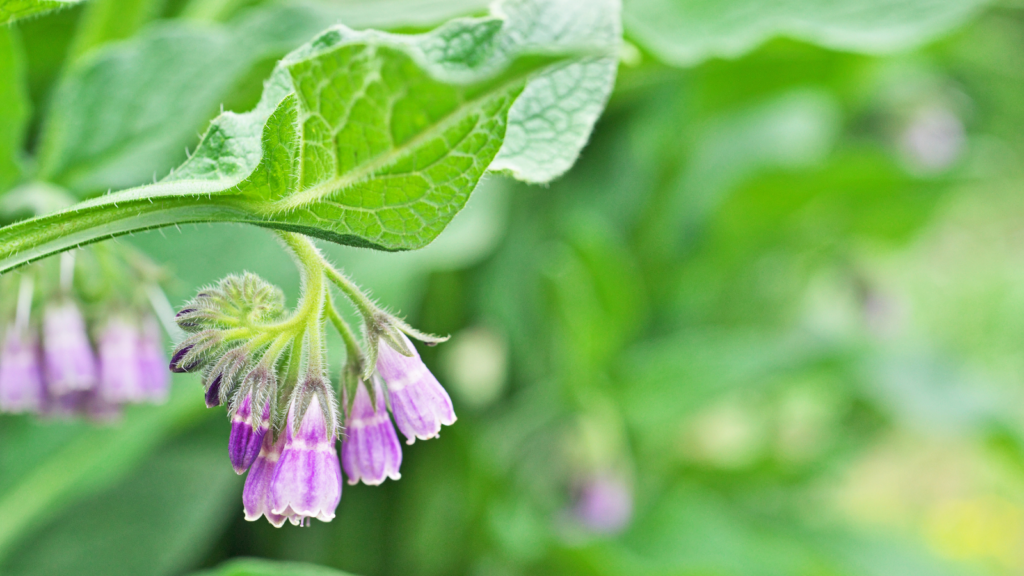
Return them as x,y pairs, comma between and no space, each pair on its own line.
552,119
255,567
157,521
371,139
665,381
107,20
14,107
11,10
687,32
88,459
792,131
126,113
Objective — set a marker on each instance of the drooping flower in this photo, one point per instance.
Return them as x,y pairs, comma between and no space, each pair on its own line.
247,434
156,381
307,482
418,401
256,494
68,361
120,377
370,450
21,381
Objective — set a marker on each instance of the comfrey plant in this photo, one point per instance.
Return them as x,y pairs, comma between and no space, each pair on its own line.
270,369
363,138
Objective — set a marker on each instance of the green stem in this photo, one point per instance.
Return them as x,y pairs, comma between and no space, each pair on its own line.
351,344
107,217
366,307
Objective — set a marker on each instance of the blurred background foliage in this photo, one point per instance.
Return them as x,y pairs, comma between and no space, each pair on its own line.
771,323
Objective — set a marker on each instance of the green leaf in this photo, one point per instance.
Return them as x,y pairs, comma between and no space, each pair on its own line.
108,20
90,458
361,138
130,109
256,567
14,107
11,10
687,32
160,519
551,122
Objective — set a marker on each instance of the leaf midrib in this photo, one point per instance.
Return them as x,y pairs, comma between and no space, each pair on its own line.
368,170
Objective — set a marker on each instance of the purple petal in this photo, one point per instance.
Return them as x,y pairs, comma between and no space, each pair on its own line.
418,401
68,361
120,380
156,380
256,494
21,381
370,450
307,483
246,435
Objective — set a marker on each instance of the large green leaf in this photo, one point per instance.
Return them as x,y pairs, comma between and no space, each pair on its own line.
14,107
11,10
126,111
361,138
687,32
256,567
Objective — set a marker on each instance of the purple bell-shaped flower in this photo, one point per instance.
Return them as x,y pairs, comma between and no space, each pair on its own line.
418,401
21,381
370,450
120,377
68,361
307,482
256,494
156,380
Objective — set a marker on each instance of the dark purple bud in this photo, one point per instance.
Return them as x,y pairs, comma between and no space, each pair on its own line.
178,356
21,380
213,393
247,434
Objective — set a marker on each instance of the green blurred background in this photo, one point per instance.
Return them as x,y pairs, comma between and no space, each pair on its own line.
770,323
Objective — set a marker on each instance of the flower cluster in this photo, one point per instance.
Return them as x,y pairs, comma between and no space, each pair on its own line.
268,368
54,362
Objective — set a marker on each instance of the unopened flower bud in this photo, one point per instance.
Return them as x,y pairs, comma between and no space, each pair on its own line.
21,381
69,364
370,450
222,378
418,401
195,351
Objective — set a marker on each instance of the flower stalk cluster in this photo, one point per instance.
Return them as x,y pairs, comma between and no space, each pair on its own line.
270,369
81,348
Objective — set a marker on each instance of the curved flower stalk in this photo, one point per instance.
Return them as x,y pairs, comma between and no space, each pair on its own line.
269,367
66,352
